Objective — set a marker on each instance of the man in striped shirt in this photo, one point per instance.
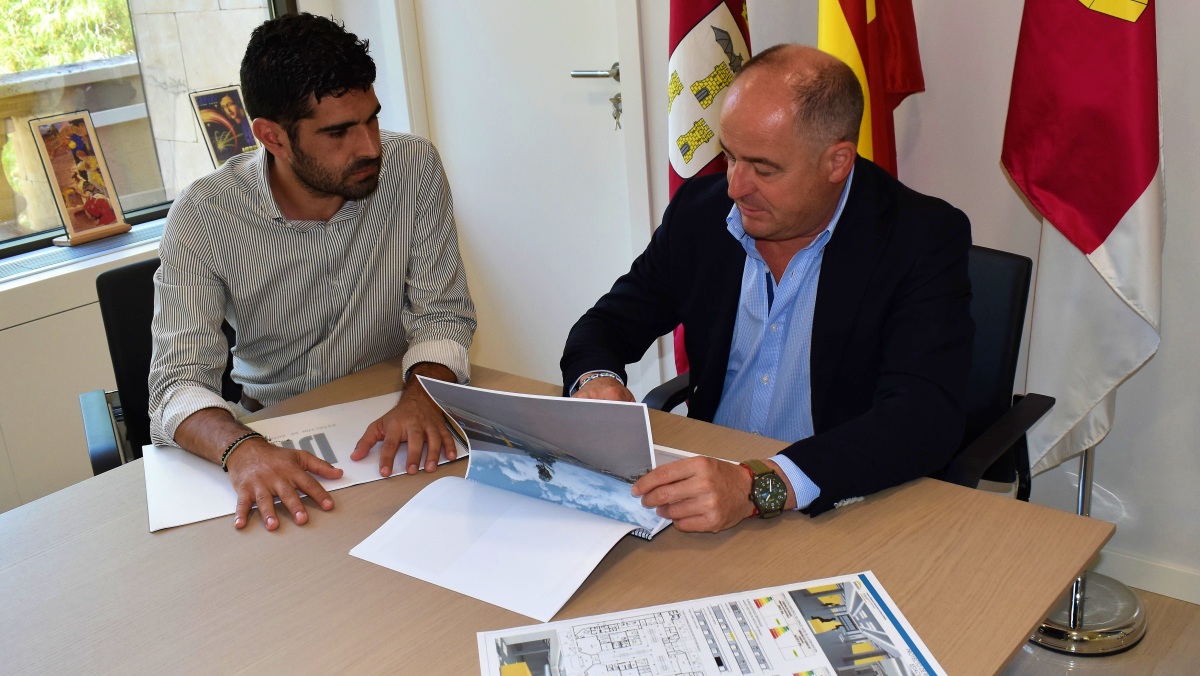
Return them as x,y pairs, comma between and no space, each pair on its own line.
330,249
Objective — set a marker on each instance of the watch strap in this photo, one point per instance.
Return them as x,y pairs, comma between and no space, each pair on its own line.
757,467
752,477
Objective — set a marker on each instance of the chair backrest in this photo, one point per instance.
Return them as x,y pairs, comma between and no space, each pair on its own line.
1000,292
127,306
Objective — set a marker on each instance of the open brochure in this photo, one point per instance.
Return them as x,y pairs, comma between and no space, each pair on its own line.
546,496
578,453
826,627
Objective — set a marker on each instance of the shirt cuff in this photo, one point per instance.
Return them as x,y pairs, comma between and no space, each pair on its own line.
185,401
599,372
802,487
446,352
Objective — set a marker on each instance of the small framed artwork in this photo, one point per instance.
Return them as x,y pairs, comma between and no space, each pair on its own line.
78,176
224,121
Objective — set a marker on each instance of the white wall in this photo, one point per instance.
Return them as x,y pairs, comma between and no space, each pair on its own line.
948,142
376,22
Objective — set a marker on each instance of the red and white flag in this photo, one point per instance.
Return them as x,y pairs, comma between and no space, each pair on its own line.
878,40
710,40
1083,144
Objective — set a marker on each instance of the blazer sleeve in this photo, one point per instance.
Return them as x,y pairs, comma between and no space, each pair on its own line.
640,307
911,420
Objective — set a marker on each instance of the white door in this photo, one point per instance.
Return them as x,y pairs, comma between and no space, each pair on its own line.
551,199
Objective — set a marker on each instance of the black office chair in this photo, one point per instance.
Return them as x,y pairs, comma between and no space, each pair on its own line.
993,446
117,424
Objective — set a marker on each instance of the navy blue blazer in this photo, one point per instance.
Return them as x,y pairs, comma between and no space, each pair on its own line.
891,334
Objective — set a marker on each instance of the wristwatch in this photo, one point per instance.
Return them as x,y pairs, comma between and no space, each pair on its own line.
767,491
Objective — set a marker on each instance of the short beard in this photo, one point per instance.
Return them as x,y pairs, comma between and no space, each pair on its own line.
320,181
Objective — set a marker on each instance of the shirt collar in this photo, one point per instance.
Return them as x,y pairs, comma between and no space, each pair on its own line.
261,161
733,223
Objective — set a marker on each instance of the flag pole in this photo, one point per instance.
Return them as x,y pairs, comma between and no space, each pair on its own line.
1099,615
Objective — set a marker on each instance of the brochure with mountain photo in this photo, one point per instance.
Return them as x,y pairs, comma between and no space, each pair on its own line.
546,496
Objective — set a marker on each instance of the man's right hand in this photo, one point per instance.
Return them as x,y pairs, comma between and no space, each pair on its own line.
604,387
260,472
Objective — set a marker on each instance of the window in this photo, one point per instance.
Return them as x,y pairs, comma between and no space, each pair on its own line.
133,66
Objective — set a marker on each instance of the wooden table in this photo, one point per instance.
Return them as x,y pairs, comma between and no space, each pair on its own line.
85,588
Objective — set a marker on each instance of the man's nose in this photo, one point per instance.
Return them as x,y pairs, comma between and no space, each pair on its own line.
367,142
739,183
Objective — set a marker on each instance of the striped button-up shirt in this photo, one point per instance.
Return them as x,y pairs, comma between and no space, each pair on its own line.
311,301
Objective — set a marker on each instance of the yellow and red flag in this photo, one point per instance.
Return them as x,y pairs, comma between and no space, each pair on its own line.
878,40
1083,143
709,42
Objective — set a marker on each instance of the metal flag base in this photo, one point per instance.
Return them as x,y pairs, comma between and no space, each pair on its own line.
1099,615
1113,621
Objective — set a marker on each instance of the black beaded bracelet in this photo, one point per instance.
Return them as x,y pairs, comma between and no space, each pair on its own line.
233,447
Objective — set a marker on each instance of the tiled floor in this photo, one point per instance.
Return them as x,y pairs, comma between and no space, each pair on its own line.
1171,647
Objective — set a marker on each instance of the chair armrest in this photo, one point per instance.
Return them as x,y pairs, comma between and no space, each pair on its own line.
969,465
670,394
103,446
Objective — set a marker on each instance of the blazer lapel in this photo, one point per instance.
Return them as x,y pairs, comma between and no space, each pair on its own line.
849,259
721,295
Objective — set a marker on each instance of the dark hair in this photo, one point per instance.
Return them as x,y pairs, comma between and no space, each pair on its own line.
827,99
297,56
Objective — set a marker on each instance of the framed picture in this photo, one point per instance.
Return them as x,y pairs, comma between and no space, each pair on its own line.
79,176
224,121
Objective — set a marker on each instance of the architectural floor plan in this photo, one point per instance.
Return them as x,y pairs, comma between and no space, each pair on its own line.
821,628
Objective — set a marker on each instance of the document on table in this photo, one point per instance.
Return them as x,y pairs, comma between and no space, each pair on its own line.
820,628
182,488
537,552
547,494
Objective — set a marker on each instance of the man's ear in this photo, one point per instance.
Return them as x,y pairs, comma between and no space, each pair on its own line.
272,137
839,159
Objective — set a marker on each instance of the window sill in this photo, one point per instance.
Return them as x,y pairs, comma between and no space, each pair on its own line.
49,258
49,281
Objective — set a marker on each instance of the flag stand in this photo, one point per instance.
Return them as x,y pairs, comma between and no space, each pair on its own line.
1114,620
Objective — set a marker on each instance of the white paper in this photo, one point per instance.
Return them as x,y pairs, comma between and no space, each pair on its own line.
547,495
510,550
665,454
182,488
812,628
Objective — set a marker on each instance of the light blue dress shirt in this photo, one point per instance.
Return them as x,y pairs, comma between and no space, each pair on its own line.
767,381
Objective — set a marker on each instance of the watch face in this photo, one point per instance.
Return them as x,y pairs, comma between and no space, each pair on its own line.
769,493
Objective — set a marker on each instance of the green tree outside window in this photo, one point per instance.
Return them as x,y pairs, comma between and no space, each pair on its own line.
45,33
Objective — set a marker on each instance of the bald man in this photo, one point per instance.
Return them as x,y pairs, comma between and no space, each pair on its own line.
825,304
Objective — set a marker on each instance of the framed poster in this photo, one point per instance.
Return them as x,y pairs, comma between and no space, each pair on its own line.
79,176
224,122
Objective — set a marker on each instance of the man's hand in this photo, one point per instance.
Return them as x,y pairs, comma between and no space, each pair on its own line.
698,494
416,420
259,472
604,387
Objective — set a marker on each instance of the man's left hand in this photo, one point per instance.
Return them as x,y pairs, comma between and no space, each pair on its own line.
416,420
698,494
